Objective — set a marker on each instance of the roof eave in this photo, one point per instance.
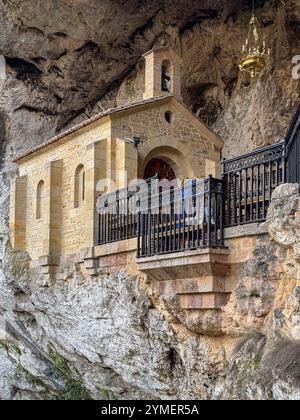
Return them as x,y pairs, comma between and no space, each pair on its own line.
109,113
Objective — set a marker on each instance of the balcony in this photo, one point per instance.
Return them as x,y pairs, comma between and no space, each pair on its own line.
165,219
249,181
170,218
178,232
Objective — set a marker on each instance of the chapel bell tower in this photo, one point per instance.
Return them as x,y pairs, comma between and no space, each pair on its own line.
163,73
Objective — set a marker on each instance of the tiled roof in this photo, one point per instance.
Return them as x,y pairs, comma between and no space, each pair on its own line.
90,121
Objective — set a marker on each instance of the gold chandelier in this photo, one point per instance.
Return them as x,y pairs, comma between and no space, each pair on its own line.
254,54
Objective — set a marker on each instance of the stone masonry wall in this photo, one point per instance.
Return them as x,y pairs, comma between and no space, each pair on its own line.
182,141
75,228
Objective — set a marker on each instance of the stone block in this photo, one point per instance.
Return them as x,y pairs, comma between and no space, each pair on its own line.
91,263
203,284
49,260
49,269
204,301
87,253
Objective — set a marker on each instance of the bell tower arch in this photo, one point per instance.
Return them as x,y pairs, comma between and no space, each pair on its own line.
163,73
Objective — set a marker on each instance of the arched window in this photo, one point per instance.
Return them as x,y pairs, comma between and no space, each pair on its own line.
39,200
79,186
166,76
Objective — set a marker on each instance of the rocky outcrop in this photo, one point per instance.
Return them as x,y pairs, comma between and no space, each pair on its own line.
284,225
108,334
112,336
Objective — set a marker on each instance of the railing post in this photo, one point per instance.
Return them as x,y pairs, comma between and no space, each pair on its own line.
209,210
139,231
222,210
148,220
284,164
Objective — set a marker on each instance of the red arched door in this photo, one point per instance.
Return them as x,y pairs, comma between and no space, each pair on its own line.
161,168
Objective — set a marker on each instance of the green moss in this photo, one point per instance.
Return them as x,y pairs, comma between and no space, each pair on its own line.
60,363
9,346
253,365
34,380
16,349
74,389
256,364
105,394
30,378
4,345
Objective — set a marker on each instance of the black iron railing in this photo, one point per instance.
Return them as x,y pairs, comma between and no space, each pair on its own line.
293,150
194,215
118,212
249,182
179,219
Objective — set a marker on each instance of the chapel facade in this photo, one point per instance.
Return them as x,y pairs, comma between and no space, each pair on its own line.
53,201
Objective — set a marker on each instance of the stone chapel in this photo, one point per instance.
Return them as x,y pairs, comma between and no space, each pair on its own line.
53,210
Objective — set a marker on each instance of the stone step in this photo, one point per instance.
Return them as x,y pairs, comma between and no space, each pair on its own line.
203,300
205,284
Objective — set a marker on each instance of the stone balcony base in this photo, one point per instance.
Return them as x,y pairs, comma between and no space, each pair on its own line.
201,281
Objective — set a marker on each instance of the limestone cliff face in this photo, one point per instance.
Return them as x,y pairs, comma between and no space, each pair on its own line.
67,60
112,337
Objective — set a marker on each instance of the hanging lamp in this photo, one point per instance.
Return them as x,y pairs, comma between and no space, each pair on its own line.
254,53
